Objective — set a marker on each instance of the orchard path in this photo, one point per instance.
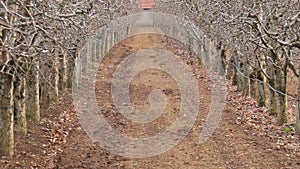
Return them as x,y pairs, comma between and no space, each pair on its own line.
60,142
228,147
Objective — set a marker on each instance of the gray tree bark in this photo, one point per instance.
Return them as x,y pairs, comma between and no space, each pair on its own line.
261,94
271,93
281,99
253,84
298,110
20,104
53,94
6,92
246,80
33,94
6,115
63,74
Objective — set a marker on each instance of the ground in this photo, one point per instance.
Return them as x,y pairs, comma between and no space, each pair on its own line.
58,141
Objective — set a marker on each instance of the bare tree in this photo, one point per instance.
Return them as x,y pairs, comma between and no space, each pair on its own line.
38,44
262,37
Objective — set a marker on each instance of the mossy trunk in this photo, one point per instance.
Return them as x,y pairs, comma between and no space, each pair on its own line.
20,104
253,84
71,67
45,87
54,80
235,77
223,64
49,88
246,81
6,115
281,97
33,92
272,93
272,100
240,78
261,94
6,88
230,73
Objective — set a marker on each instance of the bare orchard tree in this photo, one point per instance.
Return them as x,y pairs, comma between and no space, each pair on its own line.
262,38
38,43
272,29
6,82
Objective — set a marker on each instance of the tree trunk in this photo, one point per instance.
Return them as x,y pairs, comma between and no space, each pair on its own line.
20,104
240,78
45,88
235,77
223,65
33,96
273,105
6,90
85,60
98,49
206,52
93,50
281,98
71,67
261,95
49,88
7,115
53,94
253,85
63,75
230,70
272,99
298,112
77,69
246,81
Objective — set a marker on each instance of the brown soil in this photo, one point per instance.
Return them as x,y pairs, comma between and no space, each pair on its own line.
59,141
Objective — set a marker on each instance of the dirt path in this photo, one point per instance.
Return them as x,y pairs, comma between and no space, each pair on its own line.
229,147
59,141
